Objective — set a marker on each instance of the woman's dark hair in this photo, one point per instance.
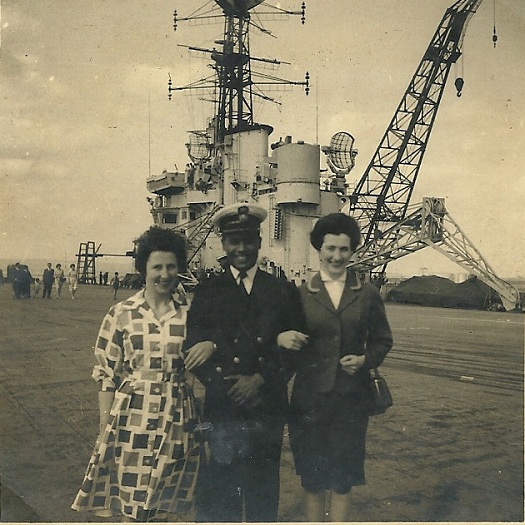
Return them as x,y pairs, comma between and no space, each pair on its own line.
335,223
162,240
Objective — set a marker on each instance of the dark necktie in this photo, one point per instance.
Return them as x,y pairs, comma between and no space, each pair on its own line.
242,275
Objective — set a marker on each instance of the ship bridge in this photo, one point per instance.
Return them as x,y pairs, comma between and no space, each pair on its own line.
167,183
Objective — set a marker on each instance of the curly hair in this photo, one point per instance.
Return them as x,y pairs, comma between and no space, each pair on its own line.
335,223
159,239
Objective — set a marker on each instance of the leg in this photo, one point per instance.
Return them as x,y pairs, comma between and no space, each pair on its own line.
261,494
219,497
315,506
262,482
339,506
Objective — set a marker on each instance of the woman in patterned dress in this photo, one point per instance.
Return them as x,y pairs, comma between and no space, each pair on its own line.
146,457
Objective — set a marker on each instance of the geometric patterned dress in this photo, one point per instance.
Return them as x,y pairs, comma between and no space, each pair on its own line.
148,457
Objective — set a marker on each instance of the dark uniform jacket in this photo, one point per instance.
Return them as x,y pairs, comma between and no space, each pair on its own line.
245,330
359,322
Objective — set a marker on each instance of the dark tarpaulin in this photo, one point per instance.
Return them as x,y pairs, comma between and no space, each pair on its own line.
438,291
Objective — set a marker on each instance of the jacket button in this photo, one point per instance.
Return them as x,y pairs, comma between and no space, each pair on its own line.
236,360
259,339
219,369
236,341
261,359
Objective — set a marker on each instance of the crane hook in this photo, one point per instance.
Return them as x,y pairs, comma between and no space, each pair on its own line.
459,85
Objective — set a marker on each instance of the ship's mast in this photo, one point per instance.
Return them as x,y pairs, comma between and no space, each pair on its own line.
233,66
232,63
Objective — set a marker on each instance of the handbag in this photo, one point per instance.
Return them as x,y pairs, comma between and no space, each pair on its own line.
380,393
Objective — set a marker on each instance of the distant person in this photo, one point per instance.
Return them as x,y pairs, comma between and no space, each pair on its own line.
115,284
106,278
72,280
16,280
37,288
330,398
100,279
26,281
2,280
146,458
59,279
48,278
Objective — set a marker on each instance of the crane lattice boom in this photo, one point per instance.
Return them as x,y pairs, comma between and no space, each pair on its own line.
383,193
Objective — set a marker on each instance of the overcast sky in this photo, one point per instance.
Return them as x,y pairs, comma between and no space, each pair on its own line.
81,80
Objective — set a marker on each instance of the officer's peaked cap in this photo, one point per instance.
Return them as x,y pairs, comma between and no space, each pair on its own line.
239,217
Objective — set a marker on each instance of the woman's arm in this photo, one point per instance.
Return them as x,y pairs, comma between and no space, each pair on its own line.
105,401
379,341
109,354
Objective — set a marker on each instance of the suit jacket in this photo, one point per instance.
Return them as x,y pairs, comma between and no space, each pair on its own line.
359,322
245,330
48,276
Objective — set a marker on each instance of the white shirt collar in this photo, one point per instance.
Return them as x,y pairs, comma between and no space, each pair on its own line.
325,277
250,274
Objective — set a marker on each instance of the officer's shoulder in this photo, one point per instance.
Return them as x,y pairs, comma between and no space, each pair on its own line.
210,282
277,282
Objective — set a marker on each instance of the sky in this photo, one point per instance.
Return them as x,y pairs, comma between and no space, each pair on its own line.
85,116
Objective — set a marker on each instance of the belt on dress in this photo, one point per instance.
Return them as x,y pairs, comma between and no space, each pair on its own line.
159,377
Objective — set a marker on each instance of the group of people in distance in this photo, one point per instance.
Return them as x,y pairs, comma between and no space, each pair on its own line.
22,281
56,276
244,336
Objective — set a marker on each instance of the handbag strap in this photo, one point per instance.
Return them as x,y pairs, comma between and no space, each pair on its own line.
369,359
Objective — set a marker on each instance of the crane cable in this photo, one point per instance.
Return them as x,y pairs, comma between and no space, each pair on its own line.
459,82
494,35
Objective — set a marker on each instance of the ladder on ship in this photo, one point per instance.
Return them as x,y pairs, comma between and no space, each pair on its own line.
86,256
196,231
200,231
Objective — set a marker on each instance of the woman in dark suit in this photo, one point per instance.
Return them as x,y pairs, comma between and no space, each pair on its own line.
330,400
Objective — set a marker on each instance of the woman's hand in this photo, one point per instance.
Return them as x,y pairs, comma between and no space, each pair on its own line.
352,363
199,353
292,340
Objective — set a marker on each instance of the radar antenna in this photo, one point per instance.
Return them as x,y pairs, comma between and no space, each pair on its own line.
341,154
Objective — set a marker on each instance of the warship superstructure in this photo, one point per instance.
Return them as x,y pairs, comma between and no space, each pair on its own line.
233,160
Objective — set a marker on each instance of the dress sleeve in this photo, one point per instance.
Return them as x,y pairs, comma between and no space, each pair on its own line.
109,353
198,323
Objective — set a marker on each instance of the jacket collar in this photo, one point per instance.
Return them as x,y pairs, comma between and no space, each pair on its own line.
318,291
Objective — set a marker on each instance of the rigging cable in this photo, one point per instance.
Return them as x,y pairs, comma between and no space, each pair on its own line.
494,35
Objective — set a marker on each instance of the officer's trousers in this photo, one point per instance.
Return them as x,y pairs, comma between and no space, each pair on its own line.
249,483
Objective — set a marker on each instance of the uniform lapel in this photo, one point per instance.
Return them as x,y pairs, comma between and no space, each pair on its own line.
258,283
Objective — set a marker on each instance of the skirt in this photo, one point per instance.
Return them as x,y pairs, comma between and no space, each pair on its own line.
148,457
328,440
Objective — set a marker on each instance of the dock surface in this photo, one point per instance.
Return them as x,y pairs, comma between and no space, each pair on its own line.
450,449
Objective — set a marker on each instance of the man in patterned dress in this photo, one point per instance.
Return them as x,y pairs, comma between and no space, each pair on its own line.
240,326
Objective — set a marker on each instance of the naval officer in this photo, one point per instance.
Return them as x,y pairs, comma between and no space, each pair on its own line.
240,327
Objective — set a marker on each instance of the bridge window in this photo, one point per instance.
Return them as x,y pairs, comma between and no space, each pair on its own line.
169,218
